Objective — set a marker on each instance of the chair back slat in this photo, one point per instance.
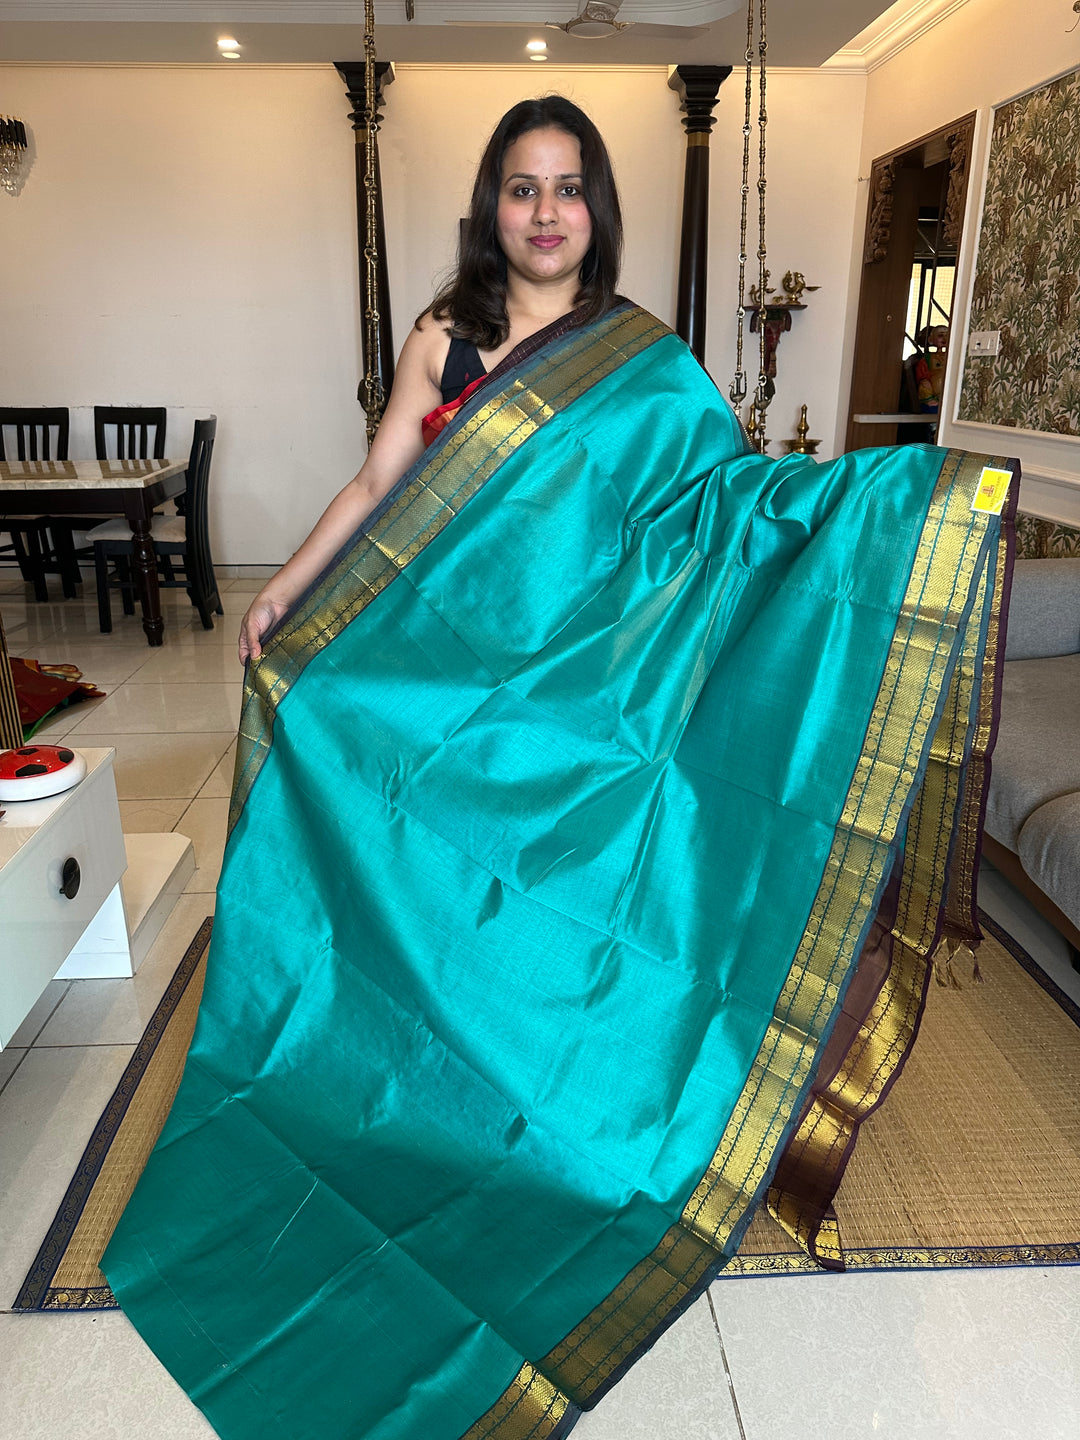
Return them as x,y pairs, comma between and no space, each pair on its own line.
34,426
137,432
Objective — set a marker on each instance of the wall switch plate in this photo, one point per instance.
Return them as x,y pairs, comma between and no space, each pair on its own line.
984,342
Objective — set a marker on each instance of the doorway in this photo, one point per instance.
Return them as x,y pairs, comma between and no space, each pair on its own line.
913,232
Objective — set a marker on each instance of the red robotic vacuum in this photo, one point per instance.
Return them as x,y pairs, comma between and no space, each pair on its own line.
34,771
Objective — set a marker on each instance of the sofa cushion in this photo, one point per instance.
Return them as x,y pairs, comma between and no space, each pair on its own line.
1050,852
1037,756
1044,609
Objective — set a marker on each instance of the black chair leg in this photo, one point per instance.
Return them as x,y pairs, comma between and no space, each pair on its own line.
127,591
64,545
213,592
196,593
101,573
31,560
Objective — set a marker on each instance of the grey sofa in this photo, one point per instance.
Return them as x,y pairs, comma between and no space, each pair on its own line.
1033,806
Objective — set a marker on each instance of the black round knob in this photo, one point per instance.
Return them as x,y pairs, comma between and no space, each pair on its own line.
70,878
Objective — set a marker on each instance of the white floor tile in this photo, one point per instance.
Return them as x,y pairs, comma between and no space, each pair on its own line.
88,1375
161,766
184,664
10,1058
139,817
137,708
957,1355
678,1391
204,822
38,1017
116,1012
47,1111
220,784
56,621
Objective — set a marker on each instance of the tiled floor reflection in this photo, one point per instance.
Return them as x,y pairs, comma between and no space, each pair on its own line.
973,1355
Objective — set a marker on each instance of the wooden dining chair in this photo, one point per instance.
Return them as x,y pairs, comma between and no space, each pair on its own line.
35,432
121,432
182,540
129,432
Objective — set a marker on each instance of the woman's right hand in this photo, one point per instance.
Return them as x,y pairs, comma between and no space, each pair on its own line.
262,615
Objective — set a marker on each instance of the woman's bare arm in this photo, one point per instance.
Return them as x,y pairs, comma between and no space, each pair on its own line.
397,446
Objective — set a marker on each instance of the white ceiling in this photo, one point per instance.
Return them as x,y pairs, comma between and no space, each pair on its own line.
703,32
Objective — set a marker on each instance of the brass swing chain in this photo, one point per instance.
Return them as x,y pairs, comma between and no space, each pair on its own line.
738,387
738,384
374,398
763,274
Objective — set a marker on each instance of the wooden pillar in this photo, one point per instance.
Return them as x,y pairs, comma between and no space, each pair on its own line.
697,87
352,72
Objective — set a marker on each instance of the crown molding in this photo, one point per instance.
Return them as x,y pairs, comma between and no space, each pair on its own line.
895,30
207,65
340,12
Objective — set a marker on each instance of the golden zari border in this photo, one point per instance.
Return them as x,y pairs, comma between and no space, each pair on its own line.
816,1157
961,919
910,1257
439,490
919,666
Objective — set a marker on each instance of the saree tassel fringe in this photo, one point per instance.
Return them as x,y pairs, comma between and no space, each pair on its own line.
594,820
951,953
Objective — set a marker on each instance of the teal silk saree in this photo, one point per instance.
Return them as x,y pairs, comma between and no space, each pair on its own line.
596,817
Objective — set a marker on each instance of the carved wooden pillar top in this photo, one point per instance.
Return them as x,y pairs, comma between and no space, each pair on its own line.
352,72
697,87
959,143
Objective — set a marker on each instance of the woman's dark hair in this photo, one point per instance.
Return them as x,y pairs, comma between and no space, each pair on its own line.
474,301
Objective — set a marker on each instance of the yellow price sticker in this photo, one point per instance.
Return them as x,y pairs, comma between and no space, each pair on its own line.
993,488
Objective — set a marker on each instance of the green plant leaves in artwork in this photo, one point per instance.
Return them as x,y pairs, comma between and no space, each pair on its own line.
1027,281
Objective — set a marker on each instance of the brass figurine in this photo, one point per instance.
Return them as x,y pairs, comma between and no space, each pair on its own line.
794,285
802,445
772,318
755,299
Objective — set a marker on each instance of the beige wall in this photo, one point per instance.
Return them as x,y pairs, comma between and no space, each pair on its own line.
815,125
187,235
985,53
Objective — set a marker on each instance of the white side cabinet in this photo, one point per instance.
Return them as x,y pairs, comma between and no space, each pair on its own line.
47,927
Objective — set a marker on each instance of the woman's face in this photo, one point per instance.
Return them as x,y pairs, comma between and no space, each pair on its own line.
543,223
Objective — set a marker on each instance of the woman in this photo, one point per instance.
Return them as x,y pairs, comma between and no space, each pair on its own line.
603,790
533,255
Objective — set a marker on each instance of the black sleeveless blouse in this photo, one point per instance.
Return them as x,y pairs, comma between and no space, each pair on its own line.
463,366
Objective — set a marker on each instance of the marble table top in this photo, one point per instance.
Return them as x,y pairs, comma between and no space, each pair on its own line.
85,474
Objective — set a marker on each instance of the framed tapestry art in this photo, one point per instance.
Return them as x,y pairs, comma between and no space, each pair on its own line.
1027,277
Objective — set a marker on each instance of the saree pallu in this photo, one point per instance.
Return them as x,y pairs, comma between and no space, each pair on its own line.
596,816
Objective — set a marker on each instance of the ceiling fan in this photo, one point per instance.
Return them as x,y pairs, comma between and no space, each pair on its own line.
596,20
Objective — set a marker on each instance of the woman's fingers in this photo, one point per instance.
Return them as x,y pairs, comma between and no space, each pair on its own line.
261,616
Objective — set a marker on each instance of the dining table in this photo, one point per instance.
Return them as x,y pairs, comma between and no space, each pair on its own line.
101,487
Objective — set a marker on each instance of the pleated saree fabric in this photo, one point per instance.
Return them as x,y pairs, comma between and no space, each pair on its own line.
596,816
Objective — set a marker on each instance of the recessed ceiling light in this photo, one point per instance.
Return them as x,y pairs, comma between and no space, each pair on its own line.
230,54
226,42
537,57
536,45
